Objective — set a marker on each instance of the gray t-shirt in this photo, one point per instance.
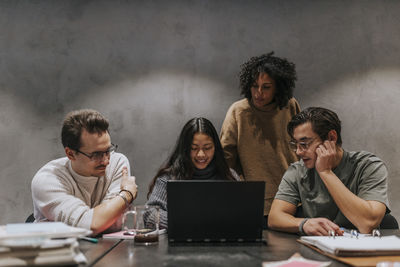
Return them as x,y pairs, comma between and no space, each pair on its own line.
362,173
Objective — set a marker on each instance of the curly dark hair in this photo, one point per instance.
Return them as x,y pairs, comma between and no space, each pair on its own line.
280,70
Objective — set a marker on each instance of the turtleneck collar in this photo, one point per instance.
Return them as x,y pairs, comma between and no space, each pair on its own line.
208,173
270,107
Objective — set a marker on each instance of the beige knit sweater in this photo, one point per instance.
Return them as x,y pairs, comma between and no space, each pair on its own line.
60,194
256,143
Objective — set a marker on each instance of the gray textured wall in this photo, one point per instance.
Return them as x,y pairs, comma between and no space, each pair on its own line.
149,66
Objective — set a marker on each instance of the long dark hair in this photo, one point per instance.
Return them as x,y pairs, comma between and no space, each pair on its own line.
179,165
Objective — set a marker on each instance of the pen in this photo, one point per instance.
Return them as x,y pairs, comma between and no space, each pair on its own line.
89,239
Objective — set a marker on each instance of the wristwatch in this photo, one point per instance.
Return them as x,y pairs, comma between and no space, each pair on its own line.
301,231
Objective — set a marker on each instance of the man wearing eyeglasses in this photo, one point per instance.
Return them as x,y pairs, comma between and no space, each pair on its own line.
90,187
335,188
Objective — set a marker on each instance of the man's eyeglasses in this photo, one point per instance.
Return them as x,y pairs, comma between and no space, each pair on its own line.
303,145
99,155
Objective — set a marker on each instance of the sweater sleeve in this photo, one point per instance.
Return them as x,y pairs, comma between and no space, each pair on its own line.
115,175
54,194
229,139
159,197
294,106
54,200
235,175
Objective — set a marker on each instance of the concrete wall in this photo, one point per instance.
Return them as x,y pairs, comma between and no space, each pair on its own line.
149,66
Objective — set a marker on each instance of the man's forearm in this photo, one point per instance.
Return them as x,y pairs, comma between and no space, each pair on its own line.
358,211
105,214
283,221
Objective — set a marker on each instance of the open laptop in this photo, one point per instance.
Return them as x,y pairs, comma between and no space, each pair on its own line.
215,211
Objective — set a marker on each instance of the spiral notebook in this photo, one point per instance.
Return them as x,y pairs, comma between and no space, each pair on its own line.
352,246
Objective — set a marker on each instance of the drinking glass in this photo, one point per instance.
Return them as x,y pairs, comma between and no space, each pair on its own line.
143,223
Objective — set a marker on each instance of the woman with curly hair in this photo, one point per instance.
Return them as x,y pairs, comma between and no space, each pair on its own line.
253,135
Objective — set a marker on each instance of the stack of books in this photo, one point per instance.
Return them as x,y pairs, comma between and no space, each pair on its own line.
44,244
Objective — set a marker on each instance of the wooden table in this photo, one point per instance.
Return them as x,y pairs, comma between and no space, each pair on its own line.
95,252
280,246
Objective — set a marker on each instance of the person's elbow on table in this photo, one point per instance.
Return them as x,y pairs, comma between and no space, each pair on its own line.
279,214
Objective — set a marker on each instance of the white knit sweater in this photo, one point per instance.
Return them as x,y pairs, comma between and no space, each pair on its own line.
60,194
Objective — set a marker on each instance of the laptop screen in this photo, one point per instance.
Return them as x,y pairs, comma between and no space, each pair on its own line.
215,211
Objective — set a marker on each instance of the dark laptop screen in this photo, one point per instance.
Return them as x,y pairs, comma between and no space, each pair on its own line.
215,211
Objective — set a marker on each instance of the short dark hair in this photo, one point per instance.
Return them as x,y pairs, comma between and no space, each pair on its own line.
280,70
179,164
322,121
75,121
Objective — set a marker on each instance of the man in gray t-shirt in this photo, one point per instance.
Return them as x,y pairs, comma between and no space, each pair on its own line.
335,187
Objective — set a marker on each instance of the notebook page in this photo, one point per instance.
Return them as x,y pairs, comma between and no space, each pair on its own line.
345,243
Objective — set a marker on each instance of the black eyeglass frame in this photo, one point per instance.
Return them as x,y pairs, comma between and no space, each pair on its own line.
98,155
303,146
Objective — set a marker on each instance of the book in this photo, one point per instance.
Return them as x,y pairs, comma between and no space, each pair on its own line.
21,234
296,261
49,252
352,246
120,235
26,244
